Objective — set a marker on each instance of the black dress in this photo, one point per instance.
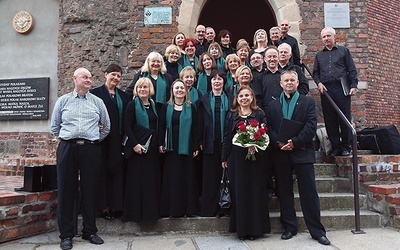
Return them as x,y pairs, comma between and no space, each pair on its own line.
212,170
110,185
179,195
143,178
249,215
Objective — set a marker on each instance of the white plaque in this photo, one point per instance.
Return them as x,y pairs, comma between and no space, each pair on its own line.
157,15
337,15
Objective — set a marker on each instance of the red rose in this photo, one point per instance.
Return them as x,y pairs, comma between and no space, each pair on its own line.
253,123
262,130
242,127
241,123
257,135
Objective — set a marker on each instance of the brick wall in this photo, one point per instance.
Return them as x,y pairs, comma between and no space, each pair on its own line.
383,63
25,214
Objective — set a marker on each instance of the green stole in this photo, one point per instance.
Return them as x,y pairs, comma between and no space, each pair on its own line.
186,62
229,80
120,107
185,125
288,105
160,88
220,63
202,82
194,94
223,110
142,118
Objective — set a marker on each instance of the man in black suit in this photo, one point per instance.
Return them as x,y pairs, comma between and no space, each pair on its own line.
296,153
330,65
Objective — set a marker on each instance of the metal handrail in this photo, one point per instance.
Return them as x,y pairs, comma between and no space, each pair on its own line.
355,159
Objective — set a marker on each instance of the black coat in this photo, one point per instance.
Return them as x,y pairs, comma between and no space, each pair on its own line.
206,124
304,112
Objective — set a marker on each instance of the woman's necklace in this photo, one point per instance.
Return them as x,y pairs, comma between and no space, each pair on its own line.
245,114
178,104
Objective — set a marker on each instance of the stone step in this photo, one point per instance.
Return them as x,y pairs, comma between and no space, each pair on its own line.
328,202
326,170
330,185
332,220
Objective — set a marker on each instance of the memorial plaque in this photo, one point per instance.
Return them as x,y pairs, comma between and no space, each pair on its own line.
24,99
337,15
157,15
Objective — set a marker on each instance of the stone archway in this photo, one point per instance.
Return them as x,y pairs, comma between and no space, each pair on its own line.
189,13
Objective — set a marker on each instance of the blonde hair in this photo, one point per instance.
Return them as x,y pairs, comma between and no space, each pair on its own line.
255,44
240,69
189,70
151,56
172,48
140,82
172,98
229,58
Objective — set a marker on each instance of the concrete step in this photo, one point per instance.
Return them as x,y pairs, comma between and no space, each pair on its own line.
326,170
332,220
330,185
328,202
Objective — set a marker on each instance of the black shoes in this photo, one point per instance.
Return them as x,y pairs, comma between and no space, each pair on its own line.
323,240
287,235
108,214
94,239
66,244
345,152
334,152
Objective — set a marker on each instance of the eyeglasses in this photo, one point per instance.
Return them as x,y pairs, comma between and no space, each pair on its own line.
255,58
244,95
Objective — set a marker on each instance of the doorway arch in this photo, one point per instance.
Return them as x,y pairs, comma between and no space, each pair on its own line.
191,12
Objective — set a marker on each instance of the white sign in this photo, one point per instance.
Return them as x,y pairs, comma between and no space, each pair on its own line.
337,15
157,15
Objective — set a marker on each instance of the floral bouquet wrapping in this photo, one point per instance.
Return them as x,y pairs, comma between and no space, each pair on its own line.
249,134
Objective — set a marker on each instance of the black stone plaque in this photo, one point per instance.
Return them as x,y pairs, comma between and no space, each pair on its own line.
24,99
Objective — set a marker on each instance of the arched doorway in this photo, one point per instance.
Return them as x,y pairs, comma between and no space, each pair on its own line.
193,12
241,18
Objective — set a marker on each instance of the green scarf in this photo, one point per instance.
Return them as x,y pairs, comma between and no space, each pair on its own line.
229,80
160,88
142,118
202,82
185,125
220,63
288,105
120,107
194,95
223,111
186,62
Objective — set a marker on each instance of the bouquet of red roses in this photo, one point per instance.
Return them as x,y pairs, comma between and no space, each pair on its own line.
251,133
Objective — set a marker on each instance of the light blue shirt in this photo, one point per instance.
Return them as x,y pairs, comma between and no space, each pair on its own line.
77,116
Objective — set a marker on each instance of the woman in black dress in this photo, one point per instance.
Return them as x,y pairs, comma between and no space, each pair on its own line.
110,188
143,171
249,215
178,139
213,108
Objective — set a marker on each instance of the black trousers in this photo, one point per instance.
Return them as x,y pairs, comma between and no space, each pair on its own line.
77,165
338,133
309,199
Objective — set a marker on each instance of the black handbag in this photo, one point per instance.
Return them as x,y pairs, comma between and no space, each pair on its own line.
224,191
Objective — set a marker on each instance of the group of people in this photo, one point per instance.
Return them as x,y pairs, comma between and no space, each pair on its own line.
158,148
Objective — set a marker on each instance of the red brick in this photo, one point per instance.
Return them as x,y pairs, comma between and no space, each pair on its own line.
378,198
45,196
393,199
31,198
26,209
12,233
394,210
12,211
384,189
11,198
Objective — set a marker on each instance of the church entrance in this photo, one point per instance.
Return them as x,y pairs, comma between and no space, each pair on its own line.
241,18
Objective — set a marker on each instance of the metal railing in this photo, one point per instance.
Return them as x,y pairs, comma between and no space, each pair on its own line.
357,229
